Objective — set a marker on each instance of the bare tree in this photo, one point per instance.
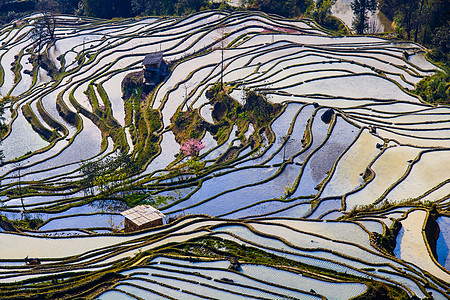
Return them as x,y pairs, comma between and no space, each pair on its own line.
186,88
38,34
2,127
45,25
19,185
223,32
48,21
285,141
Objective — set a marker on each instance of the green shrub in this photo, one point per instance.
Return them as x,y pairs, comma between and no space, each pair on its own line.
435,89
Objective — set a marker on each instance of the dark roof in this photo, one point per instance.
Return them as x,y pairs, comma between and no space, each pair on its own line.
153,59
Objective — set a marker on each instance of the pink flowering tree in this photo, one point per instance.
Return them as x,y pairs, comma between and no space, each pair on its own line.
192,147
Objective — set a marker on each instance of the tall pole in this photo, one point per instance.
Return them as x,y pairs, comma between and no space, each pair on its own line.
84,41
20,193
221,71
222,33
243,92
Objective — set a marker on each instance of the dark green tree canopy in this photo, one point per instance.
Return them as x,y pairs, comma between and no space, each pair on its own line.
361,10
107,8
288,8
168,7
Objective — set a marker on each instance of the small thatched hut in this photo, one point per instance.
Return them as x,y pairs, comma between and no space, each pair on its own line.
142,217
155,68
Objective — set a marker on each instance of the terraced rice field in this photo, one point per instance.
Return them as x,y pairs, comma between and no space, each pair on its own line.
311,208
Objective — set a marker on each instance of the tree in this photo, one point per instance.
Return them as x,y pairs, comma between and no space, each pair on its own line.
2,127
406,15
361,10
417,19
192,147
221,39
38,34
47,22
323,9
285,141
286,8
436,88
107,174
19,186
441,43
107,8
138,6
68,6
167,7
189,6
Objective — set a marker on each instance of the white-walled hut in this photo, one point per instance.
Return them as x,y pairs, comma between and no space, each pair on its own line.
142,217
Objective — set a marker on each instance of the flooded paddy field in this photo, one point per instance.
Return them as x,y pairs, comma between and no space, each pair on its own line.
339,186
